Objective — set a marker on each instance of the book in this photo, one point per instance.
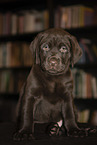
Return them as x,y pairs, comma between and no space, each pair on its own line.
8,54
1,24
20,23
93,119
45,14
88,16
57,17
7,23
89,49
83,58
1,56
94,86
14,26
65,21
89,85
83,116
26,55
95,15
4,78
29,21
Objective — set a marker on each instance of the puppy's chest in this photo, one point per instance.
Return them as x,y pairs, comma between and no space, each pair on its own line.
53,92
53,88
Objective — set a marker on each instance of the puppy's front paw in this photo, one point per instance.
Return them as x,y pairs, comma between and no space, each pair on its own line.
23,135
75,132
91,131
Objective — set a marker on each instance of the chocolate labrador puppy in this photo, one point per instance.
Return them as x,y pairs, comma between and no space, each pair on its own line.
47,95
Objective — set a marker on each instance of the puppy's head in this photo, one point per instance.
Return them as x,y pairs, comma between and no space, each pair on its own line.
54,50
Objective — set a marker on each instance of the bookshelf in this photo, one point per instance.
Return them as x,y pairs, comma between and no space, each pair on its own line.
89,32
21,37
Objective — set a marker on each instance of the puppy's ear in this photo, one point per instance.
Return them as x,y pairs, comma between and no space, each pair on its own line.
76,51
34,47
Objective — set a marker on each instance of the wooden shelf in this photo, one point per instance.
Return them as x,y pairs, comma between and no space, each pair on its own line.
9,96
18,37
20,68
83,104
89,32
75,2
86,66
16,5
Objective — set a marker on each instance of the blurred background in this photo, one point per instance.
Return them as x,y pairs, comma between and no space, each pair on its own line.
20,22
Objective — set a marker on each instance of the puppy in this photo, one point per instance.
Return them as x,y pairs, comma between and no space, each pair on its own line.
47,95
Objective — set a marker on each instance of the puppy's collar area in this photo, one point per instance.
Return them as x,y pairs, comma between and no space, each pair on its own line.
45,72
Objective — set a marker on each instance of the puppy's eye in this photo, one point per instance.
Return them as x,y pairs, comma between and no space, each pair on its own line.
64,49
45,47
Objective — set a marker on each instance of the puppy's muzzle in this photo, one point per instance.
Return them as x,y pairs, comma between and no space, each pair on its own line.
53,62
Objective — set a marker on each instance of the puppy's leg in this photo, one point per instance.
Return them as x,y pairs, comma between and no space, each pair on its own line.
69,121
25,117
25,122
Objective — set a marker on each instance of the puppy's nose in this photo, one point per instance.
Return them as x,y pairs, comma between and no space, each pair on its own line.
53,61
